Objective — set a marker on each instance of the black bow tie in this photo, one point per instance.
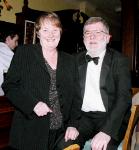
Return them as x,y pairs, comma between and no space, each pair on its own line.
94,59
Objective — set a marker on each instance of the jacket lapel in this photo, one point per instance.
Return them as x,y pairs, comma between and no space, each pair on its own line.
82,72
39,56
103,76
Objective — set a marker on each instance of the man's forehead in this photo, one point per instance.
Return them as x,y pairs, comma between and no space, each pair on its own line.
94,26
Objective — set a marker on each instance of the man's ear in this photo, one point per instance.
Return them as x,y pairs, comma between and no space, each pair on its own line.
108,38
7,39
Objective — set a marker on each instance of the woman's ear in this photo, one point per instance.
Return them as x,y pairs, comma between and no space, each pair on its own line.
38,35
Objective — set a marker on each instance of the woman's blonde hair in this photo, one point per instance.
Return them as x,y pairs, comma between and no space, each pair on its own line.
50,17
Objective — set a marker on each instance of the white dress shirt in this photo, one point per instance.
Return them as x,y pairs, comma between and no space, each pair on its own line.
92,100
6,55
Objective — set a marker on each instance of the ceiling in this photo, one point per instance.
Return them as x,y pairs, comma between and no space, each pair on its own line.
106,5
109,10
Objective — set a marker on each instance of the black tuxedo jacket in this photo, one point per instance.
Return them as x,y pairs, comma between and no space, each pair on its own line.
115,87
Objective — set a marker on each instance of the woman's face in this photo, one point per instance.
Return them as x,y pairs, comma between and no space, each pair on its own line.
49,35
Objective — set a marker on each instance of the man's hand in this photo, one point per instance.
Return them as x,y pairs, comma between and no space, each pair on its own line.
71,134
41,109
100,141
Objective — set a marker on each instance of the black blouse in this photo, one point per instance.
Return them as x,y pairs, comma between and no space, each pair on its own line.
56,115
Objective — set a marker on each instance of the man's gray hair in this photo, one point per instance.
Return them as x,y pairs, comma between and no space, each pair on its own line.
93,20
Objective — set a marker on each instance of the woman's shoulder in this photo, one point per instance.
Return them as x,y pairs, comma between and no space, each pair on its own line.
26,48
67,58
66,55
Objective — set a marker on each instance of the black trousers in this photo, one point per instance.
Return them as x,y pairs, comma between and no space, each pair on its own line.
89,125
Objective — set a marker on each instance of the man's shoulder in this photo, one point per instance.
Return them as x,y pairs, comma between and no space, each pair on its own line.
4,48
65,54
116,53
80,56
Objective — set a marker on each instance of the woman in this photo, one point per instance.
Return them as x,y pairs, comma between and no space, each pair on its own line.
42,85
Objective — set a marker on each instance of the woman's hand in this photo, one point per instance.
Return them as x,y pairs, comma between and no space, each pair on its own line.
71,134
41,109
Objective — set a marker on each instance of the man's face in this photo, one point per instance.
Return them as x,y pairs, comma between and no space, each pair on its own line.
12,42
95,38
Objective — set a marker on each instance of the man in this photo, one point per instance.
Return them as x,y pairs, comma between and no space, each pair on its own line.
105,88
8,42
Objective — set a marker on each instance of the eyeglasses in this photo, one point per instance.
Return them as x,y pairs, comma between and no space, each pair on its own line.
96,33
